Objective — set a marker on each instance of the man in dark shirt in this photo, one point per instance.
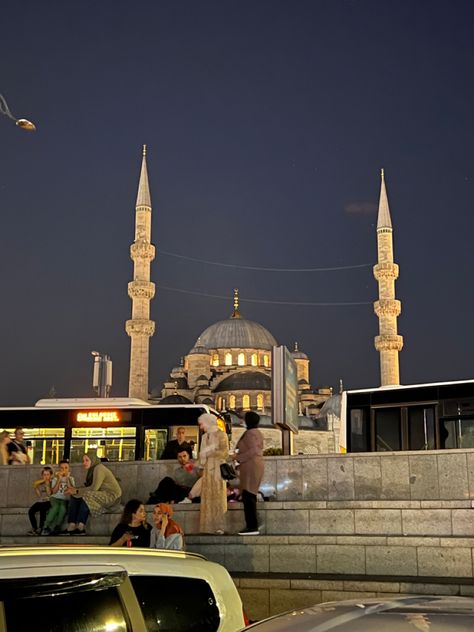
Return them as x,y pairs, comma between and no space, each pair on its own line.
177,489
177,445
17,452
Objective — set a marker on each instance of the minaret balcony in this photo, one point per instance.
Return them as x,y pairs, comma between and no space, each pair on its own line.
142,250
387,307
386,271
141,289
388,342
139,327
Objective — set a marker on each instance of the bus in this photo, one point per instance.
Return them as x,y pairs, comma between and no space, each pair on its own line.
432,416
116,429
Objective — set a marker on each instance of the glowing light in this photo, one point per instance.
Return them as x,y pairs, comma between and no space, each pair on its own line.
111,626
99,416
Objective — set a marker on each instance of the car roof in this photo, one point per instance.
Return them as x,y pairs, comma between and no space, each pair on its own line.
136,561
402,613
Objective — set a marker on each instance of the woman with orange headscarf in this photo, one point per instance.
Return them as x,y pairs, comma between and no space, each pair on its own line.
166,534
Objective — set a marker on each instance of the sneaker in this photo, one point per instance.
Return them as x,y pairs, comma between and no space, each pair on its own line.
184,501
79,532
249,532
31,532
219,532
46,531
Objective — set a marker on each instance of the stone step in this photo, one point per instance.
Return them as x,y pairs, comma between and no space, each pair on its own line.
385,518
413,556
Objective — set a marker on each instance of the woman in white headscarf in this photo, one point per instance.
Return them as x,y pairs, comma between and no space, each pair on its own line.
214,451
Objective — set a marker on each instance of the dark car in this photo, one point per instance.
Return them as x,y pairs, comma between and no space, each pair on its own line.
397,614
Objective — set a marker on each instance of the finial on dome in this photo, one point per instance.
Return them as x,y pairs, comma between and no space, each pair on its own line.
144,150
296,346
235,313
382,173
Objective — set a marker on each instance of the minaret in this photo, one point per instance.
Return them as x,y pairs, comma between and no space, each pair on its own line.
141,290
388,343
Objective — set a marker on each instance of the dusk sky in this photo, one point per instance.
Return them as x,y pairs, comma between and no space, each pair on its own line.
267,123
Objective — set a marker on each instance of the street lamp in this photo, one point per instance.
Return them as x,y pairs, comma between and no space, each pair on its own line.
102,374
23,123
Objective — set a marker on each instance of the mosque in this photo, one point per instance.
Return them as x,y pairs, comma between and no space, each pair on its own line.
229,366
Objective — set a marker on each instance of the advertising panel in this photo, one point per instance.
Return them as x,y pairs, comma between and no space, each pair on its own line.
284,389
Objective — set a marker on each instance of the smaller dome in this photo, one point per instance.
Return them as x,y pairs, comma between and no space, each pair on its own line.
202,378
297,354
175,399
245,381
208,401
199,350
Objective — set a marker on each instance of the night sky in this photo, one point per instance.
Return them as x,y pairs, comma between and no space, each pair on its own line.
267,123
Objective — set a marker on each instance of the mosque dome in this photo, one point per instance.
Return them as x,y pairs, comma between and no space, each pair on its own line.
236,333
175,399
245,381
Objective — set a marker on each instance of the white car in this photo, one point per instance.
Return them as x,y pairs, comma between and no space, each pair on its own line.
103,589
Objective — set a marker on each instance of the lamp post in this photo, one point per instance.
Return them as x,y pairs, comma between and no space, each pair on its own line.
102,374
21,122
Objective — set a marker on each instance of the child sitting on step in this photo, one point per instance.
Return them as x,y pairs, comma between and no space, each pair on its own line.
42,489
59,501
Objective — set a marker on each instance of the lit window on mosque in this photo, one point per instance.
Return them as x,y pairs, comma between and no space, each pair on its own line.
215,359
232,401
265,360
260,401
254,359
241,359
228,359
246,401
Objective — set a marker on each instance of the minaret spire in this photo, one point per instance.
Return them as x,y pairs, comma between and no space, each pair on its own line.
141,290
388,343
235,313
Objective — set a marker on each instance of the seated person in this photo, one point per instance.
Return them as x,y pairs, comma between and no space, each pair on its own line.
177,445
133,529
182,486
166,534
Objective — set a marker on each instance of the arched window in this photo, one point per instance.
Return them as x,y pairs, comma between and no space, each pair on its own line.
215,359
228,359
254,359
232,402
246,401
265,360
260,401
241,359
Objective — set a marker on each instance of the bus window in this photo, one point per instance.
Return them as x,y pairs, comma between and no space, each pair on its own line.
114,444
155,441
421,428
387,429
359,434
45,446
457,433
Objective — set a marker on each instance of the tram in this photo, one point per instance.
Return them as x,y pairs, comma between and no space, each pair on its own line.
116,429
416,417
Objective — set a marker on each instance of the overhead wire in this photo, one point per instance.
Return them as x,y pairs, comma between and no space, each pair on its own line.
262,268
267,302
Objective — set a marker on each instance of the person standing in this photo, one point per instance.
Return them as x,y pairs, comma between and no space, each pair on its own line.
173,447
214,451
249,455
4,441
18,454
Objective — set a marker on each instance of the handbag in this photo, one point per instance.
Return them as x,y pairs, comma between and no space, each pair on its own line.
228,471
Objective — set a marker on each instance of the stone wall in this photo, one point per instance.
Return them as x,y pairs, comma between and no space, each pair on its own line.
446,475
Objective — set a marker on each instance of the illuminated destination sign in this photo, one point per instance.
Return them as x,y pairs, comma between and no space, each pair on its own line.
98,416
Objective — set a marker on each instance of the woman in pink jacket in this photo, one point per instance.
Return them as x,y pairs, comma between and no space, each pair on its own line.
249,456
